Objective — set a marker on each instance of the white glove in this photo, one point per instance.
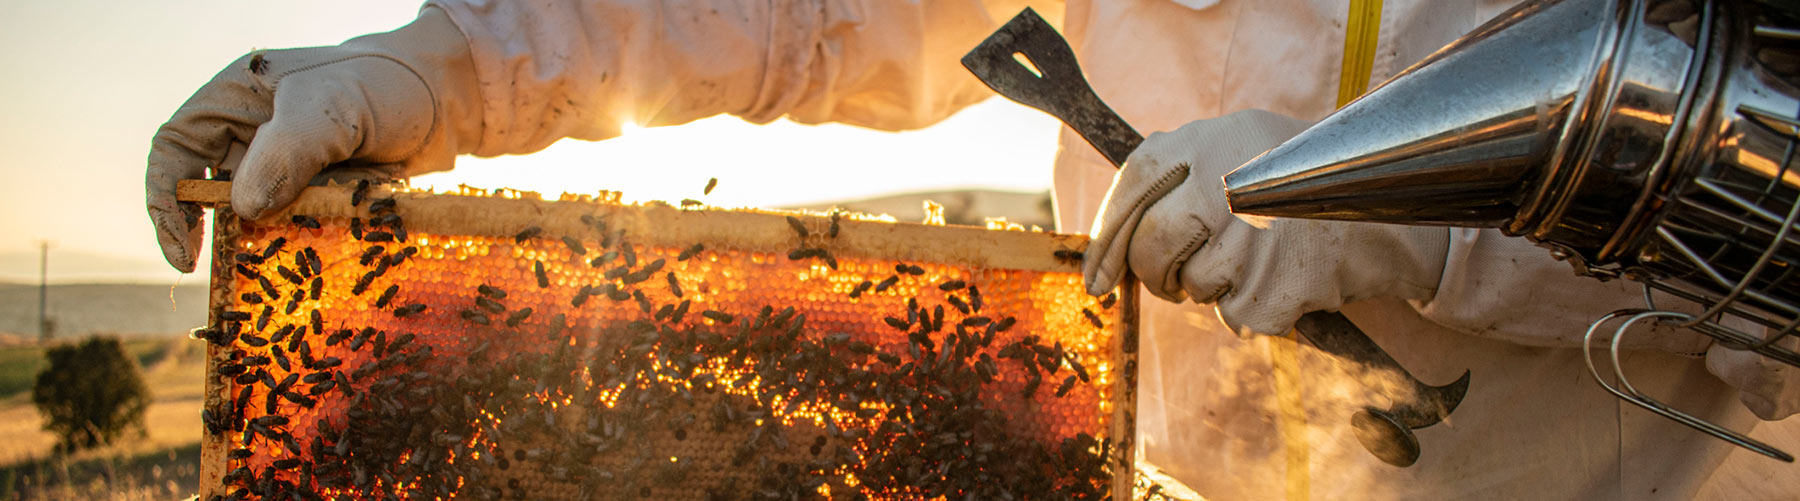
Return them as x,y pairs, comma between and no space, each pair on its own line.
397,104
1167,217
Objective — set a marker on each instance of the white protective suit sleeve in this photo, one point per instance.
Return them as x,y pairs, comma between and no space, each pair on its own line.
582,69
1508,288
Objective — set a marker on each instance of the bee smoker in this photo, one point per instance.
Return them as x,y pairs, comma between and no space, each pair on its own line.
1647,139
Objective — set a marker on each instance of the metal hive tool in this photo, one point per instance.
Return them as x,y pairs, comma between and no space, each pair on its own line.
785,354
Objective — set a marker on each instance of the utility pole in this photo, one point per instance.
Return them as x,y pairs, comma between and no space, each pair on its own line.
43,291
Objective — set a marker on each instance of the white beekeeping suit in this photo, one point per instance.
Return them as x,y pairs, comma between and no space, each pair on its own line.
1235,418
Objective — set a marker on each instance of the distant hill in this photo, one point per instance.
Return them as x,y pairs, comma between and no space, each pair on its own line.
967,207
68,266
81,309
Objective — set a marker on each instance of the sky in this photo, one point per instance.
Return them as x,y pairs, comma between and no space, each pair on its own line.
89,81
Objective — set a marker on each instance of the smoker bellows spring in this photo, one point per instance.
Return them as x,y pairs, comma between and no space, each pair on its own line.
372,344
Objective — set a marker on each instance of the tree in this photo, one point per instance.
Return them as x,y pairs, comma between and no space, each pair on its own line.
90,394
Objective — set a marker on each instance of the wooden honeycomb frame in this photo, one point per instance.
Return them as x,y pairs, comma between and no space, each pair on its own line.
956,251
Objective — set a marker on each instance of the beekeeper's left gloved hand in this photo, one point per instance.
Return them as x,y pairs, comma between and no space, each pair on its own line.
1166,217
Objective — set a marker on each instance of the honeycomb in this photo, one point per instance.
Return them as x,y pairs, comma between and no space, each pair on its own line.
374,344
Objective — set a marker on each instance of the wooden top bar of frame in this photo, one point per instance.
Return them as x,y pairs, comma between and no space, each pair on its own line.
658,223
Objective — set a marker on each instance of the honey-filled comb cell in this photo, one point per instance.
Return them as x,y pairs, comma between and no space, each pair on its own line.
484,345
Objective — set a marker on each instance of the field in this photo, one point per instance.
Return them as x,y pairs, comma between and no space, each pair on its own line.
159,464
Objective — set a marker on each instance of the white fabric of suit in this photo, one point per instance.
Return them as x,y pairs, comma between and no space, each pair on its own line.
1212,411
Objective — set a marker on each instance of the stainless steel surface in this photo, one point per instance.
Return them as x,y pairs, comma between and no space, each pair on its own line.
1651,139
1053,83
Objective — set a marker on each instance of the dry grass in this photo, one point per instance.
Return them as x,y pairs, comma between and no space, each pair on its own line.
160,464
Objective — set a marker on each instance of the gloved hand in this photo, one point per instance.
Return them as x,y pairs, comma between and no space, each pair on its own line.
394,104
1167,217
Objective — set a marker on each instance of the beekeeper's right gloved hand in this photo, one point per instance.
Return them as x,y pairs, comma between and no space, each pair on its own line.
1166,220
392,104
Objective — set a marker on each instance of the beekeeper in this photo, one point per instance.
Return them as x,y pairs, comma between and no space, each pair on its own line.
1253,417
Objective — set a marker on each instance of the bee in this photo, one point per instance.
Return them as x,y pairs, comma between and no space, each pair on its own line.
274,247
489,304
898,324
290,276
338,337
958,303
1066,385
543,281
232,369
356,343
475,317
915,270
384,204
343,382
527,234
629,252
680,311
951,285
858,291
886,283
581,296
1068,257
401,256
387,296
517,316
675,284
642,301
976,321
974,298
246,272
248,258
360,193
245,378
255,361
410,309
293,303
490,291
833,232
616,272
369,254
602,259
282,334
378,236
1004,324
356,228
1031,385
574,246
615,294
1080,370
1092,318
306,221
710,184
318,322
318,286
799,228
690,252
1108,301
362,284
689,202
233,316
322,388
717,316
252,340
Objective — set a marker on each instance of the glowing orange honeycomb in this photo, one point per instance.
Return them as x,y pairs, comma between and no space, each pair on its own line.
787,372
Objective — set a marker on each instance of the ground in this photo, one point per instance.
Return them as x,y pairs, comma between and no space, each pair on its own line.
160,464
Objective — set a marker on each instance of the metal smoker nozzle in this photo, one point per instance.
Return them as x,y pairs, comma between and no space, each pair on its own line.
1456,139
1649,139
